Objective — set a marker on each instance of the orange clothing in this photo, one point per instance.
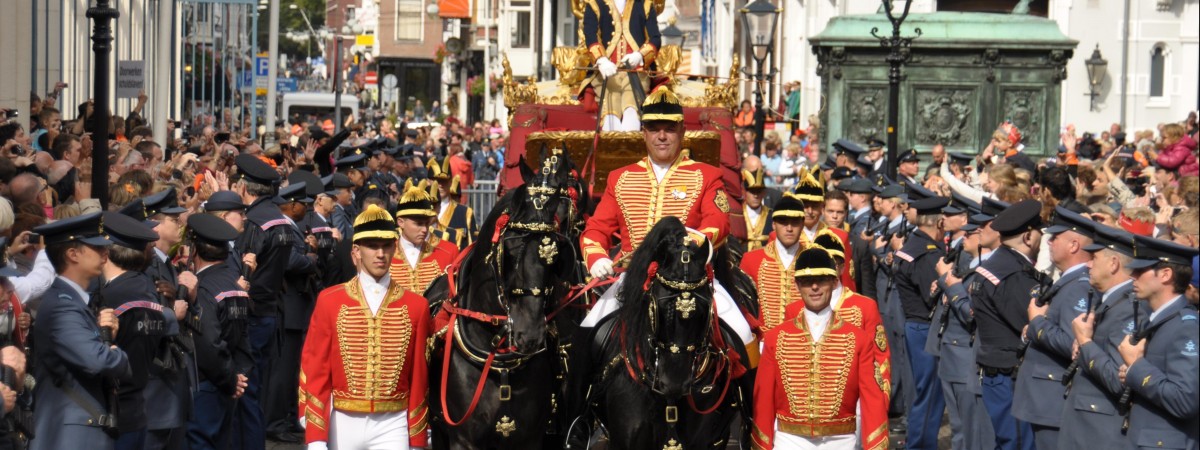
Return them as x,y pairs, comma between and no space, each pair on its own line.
460,167
434,259
744,118
363,362
862,312
811,389
635,200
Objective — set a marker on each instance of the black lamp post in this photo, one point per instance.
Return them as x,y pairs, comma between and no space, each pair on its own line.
898,54
672,35
1096,67
759,20
101,14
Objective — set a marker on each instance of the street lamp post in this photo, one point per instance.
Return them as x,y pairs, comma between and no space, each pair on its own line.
759,20
898,54
350,27
1096,67
102,38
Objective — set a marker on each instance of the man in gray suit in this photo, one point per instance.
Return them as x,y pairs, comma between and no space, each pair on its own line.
75,365
1090,415
956,334
1039,390
1160,369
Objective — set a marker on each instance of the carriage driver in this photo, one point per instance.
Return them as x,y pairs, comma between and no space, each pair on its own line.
665,183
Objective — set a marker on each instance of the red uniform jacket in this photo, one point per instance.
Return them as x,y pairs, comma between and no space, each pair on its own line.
354,361
635,200
776,284
434,260
812,390
862,312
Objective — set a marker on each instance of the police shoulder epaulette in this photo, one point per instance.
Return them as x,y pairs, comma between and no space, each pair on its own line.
987,274
137,304
931,247
905,256
228,294
65,297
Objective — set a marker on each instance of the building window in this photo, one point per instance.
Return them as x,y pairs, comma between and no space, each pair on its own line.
410,25
1158,60
520,17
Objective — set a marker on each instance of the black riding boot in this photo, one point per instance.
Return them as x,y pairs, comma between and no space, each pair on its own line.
577,428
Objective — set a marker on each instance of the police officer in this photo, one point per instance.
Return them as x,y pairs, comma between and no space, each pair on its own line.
1160,369
956,330
168,392
267,236
339,187
133,297
915,275
1039,395
998,295
298,298
223,353
76,364
859,194
1091,416
954,218
888,236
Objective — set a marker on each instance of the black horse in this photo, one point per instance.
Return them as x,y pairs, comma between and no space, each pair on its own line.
663,363
492,377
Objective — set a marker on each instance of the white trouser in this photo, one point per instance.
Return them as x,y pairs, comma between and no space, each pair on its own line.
727,310
366,431
629,121
785,441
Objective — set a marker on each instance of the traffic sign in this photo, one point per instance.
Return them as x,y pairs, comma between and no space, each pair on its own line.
389,81
262,66
371,78
286,85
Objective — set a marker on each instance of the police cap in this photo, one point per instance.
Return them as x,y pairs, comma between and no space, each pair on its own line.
1067,220
164,202
128,232
296,192
1110,238
1152,251
929,206
88,229
210,228
909,155
1019,218
224,201
253,169
856,185
848,147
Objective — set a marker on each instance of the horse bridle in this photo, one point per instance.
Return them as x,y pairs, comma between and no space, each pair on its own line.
685,305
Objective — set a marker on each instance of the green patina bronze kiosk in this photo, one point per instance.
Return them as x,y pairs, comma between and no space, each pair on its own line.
966,73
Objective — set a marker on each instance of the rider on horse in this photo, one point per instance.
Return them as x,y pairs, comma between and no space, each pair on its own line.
665,183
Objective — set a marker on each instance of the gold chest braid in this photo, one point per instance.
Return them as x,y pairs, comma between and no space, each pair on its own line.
417,279
643,200
373,349
852,314
814,374
776,290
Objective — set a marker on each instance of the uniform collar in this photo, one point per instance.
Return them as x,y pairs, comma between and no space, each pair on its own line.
78,289
1114,290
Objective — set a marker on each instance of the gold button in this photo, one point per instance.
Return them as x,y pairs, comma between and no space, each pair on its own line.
1093,407
1050,375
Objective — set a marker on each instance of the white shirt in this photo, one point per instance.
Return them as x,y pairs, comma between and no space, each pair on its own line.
787,255
412,253
660,170
1104,298
442,205
835,299
87,298
33,284
1163,307
373,290
752,214
818,322
810,234
161,254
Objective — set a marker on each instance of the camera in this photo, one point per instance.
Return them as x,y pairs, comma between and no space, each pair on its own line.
18,150
12,113
221,137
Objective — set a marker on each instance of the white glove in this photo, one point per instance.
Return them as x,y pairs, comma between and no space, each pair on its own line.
606,67
602,268
632,60
318,445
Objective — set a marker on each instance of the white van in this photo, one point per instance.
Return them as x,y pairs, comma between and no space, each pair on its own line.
318,104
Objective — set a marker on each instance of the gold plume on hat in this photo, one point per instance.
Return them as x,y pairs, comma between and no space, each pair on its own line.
754,179
417,200
438,171
374,223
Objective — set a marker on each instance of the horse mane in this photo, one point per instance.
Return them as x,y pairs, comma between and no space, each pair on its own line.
483,244
667,235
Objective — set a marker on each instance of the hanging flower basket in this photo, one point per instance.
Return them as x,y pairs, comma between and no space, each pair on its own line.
439,55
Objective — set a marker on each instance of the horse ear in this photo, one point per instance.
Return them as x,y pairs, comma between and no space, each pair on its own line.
526,173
